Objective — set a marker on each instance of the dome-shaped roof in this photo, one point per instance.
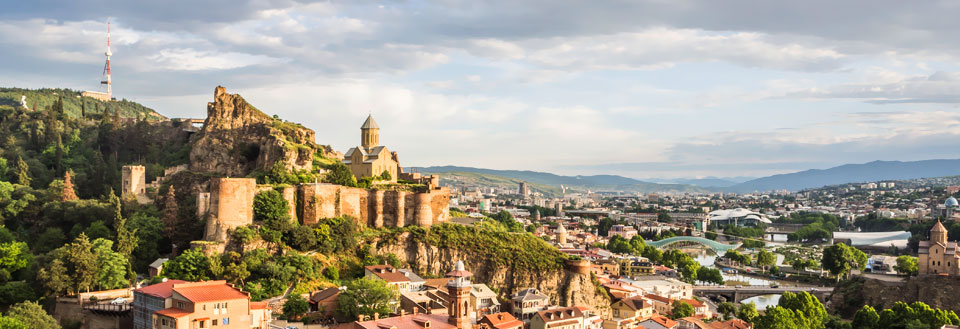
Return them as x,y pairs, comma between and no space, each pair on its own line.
951,202
561,229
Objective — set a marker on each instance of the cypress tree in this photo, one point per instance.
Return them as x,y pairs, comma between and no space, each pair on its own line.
170,210
23,172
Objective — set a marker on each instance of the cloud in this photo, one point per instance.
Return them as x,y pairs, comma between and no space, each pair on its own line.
939,87
193,60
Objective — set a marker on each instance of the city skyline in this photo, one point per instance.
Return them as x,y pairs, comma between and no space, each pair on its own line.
653,89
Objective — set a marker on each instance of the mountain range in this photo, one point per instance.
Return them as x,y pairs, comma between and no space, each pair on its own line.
813,178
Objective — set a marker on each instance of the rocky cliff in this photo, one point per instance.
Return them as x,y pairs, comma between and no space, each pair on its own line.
237,139
566,285
937,291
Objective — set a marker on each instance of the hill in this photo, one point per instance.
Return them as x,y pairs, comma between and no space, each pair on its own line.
73,104
851,173
552,182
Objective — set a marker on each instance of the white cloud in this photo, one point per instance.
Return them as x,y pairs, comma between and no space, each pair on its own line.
194,60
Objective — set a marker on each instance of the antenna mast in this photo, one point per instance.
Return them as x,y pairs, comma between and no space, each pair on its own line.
106,67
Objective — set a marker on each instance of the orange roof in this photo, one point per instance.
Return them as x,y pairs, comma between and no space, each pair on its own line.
387,273
662,320
259,305
560,314
731,324
173,312
501,320
658,298
636,303
163,289
412,321
693,302
209,291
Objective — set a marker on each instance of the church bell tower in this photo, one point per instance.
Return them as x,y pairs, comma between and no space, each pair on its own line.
369,133
459,290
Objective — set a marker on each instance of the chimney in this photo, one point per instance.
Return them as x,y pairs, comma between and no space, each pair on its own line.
359,317
376,316
416,310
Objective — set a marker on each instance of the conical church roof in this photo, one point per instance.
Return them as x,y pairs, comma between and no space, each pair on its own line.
938,227
370,124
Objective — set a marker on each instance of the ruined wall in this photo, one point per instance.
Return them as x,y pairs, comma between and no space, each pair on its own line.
231,205
372,207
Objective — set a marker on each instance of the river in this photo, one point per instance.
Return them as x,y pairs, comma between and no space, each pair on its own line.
707,257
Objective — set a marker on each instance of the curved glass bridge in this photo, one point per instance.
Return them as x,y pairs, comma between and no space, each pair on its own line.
717,247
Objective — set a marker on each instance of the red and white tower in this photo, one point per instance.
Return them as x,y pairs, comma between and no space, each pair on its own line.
106,67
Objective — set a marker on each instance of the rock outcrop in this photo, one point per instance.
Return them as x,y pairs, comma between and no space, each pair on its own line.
937,291
567,286
237,139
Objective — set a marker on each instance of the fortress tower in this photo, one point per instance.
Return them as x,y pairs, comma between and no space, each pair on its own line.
133,183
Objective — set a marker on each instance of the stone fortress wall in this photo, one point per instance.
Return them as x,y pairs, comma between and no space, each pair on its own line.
229,204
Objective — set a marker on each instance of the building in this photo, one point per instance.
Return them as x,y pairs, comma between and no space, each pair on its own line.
394,278
458,288
738,217
561,233
416,282
156,267
938,256
210,304
623,231
636,266
502,320
666,287
133,182
731,324
325,301
627,312
483,300
370,158
658,322
527,302
661,305
150,299
558,318
524,190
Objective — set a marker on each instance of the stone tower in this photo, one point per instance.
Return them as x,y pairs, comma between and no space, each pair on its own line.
561,235
536,215
459,290
134,182
369,133
938,234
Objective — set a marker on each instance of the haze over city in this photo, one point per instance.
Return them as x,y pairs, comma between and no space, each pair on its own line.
647,89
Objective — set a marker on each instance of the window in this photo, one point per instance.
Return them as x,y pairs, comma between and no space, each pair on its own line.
213,322
180,305
203,324
226,321
163,321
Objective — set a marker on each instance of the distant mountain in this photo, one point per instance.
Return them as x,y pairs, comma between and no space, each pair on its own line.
707,181
851,173
594,182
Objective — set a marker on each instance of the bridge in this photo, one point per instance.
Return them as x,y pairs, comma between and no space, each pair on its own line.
734,294
718,247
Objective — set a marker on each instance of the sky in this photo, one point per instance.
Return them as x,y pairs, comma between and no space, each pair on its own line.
651,89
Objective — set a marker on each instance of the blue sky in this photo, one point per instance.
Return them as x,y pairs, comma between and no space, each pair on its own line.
646,89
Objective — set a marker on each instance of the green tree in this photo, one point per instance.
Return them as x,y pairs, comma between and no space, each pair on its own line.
840,259
191,265
340,174
22,175
295,307
272,209
113,267
366,297
385,175
780,318
84,263
33,316
906,265
748,312
727,309
236,273
301,238
55,278
14,256
866,318
7,322
681,309
765,258
126,238
710,275
619,245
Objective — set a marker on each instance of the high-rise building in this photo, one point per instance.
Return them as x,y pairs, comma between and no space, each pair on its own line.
524,191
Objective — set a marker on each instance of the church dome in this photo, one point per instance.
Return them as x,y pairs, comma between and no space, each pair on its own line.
951,202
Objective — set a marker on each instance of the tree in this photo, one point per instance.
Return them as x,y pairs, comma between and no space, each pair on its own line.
113,266
14,256
55,278
365,297
866,318
33,316
727,309
170,211
236,273
618,244
301,238
710,275
272,209
681,309
906,265
748,312
340,174
69,194
191,265
780,318
7,322
604,225
84,263
812,311
839,259
385,175
295,307
126,238
765,258
22,175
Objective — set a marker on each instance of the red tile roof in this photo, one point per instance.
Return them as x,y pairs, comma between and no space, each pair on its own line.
387,273
693,302
198,292
163,289
173,312
731,324
413,321
501,320
259,305
658,298
560,314
662,320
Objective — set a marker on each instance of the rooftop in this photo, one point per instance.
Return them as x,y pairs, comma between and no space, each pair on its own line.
162,289
209,291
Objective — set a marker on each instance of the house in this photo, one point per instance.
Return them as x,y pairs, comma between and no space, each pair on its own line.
458,289
667,287
150,299
394,278
692,323
210,304
430,301
657,322
731,324
635,266
416,282
591,318
527,303
483,301
325,301
625,313
406,321
661,305
502,320
156,267
558,318
699,308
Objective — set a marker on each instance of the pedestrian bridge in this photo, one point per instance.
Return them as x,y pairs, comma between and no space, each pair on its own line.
737,294
718,247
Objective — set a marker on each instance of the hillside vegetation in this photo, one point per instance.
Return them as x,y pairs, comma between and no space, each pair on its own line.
73,104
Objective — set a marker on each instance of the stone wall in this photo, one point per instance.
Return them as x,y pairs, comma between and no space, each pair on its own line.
937,291
373,207
230,206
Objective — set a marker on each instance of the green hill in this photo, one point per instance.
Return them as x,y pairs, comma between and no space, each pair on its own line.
73,103
550,183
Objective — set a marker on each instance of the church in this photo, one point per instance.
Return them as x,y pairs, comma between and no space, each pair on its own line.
938,256
371,158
